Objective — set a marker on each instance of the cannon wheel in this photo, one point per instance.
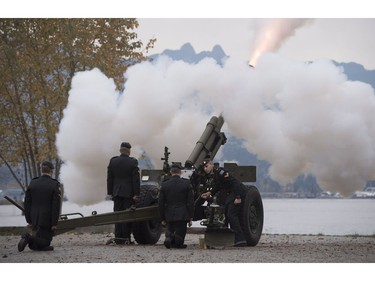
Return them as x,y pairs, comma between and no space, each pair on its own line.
147,232
252,216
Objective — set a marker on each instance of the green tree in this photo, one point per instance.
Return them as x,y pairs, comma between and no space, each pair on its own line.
38,59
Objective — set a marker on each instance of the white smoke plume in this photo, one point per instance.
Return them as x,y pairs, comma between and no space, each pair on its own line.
270,34
302,118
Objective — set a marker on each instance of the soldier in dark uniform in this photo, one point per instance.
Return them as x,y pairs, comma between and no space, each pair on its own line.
176,207
123,187
42,210
230,192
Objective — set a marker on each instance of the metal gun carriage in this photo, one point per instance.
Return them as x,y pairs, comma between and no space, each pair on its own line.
147,227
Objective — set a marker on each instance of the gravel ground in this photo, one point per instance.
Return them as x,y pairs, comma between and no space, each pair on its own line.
92,248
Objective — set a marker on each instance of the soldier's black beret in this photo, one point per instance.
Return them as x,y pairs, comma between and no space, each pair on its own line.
126,144
48,164
176,165
205,161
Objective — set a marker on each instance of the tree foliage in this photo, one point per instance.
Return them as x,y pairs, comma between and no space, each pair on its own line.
38,59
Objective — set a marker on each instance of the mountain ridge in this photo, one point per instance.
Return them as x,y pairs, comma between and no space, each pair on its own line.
187,53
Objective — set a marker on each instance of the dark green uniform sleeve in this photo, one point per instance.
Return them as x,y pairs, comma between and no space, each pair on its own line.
56,204
190,202
136,179
27,206
161,204
109,180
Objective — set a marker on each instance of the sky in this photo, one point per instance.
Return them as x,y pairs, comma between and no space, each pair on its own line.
343,40
344,33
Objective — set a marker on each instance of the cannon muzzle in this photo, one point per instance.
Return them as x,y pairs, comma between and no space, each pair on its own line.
209,143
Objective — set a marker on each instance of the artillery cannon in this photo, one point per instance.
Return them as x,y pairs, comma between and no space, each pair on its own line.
147,227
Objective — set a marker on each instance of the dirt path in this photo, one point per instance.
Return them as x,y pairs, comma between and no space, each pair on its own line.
91,248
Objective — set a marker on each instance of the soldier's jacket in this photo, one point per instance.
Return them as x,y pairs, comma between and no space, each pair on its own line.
123,178
42,201
226,183
176,201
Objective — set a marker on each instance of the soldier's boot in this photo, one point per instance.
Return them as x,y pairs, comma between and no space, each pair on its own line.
179,242
25,239
169,237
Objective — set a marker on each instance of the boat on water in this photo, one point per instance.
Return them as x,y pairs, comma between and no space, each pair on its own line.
368,192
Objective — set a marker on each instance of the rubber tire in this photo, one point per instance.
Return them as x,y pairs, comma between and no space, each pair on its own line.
147,232
252,216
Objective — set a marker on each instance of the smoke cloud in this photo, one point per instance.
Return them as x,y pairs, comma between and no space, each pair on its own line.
271,33
304,118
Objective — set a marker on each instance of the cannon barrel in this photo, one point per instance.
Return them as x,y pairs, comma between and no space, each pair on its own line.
15,203
209,143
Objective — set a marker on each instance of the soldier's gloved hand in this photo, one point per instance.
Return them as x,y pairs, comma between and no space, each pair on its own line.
205,195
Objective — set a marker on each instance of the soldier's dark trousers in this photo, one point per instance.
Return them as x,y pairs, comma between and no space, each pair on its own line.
122,230
176,232
233,216
41,238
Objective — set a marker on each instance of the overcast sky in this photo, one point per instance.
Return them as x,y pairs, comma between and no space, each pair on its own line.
345,34
343,40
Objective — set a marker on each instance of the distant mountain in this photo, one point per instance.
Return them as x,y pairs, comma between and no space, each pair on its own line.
187,54
354,71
